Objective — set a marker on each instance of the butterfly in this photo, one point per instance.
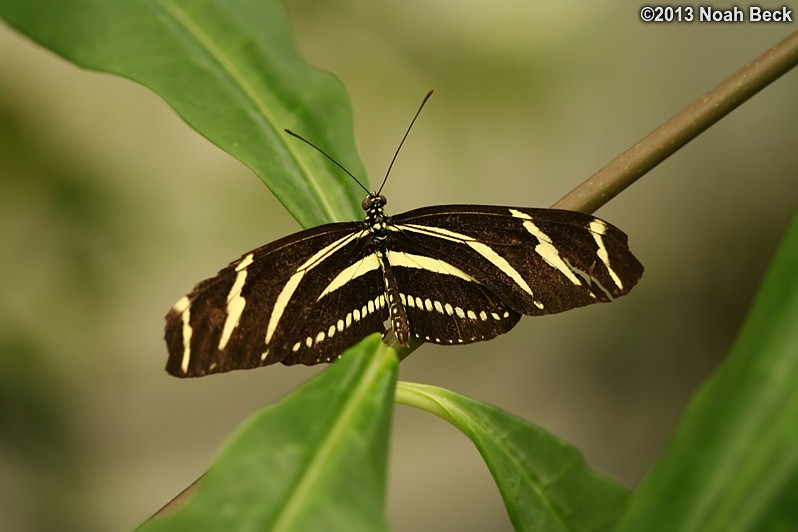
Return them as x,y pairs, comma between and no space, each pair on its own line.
448,274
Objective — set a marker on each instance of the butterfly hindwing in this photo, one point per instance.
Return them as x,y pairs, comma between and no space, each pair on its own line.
449,310
335,320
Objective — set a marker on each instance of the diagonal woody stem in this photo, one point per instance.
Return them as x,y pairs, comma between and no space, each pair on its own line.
682,128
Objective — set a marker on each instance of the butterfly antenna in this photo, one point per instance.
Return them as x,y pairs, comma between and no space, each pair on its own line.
339,165
396,153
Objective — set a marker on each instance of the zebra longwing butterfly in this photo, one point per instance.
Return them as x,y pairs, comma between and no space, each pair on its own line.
452,274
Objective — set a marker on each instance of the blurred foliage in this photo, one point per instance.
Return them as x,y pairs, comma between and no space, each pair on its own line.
41,467
59,226
57,214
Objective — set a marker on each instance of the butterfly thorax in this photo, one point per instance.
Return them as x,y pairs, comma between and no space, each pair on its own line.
376,220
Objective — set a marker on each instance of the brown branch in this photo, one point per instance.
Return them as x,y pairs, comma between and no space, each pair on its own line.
177,502
682,128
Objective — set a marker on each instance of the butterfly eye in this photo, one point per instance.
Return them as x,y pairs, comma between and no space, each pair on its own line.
371,201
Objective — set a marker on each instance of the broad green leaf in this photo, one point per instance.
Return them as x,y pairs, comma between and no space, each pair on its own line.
733,462
229,68
544,481
316,460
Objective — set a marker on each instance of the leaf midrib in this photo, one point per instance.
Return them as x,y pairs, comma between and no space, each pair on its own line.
452,413
239,80
309,479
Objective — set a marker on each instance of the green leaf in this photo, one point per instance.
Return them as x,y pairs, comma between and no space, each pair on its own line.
733,461
229,68
314,461
544,481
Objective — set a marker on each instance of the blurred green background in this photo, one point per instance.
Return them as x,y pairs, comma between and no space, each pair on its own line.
111,208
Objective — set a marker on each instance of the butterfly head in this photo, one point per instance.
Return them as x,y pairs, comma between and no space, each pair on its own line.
373,202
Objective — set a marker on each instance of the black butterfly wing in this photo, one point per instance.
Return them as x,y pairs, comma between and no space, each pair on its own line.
451,310
270,304
351,306
535,261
